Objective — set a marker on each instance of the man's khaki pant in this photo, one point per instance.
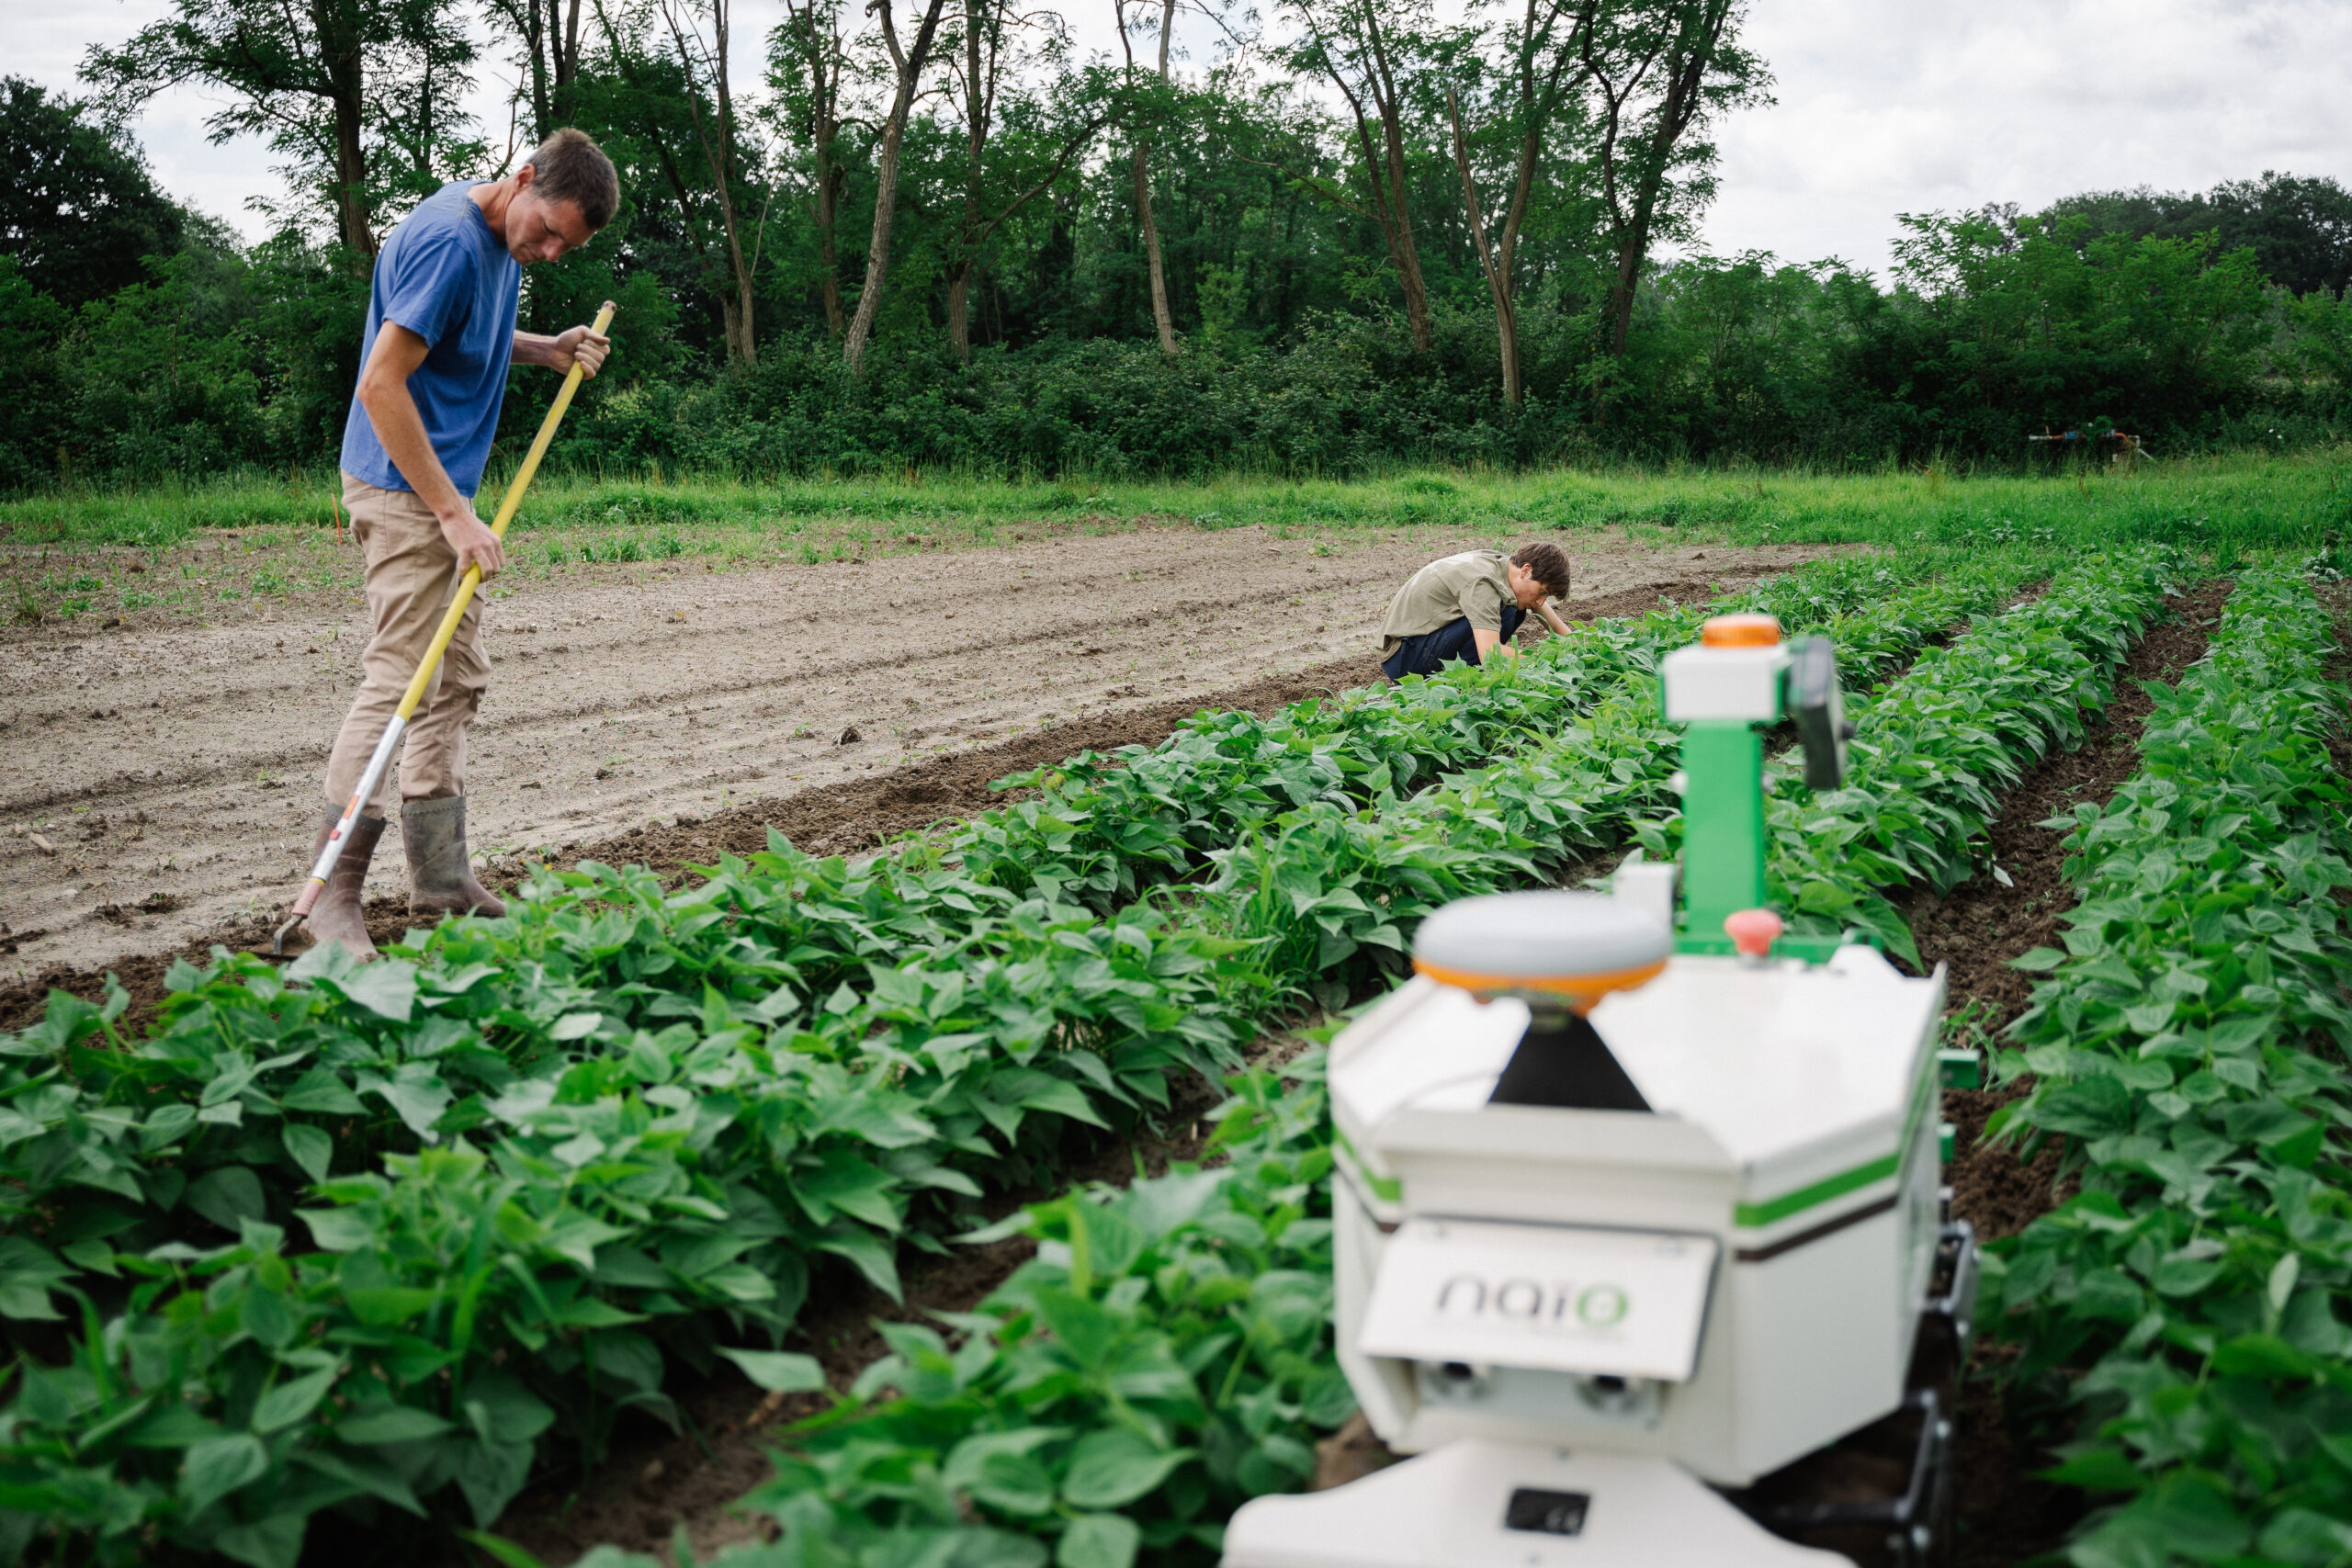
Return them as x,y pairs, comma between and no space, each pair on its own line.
412,577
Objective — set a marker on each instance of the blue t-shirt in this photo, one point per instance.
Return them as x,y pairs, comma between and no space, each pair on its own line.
445,276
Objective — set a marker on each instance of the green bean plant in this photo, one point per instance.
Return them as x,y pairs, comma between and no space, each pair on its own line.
2183,1309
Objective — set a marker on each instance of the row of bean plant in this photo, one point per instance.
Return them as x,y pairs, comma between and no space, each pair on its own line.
479,1193
1102,827
1018,1439
1333,896
1106,827
2183,1310
1165,1357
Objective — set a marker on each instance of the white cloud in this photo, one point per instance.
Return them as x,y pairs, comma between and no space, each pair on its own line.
1908,106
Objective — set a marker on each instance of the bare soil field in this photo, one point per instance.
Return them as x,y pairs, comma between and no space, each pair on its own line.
160,782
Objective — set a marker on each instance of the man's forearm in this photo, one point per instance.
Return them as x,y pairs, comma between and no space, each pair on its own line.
1552,618
401,431
538,348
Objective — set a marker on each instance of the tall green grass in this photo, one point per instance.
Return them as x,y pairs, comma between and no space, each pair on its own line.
2245,503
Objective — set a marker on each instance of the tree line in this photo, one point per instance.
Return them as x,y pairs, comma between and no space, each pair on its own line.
938,232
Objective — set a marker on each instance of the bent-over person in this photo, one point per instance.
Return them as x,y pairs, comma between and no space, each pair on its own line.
440,336
1465,606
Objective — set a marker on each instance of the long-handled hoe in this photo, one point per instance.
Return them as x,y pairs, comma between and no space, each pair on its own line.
431,660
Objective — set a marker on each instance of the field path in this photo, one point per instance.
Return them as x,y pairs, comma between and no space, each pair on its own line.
173,771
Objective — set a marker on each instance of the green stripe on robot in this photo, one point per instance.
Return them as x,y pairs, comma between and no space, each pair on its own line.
1387,1188
1754,1216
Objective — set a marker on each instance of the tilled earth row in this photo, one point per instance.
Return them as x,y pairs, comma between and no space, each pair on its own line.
841,817
157,781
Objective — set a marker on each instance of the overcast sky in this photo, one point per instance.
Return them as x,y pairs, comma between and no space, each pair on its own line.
1883,106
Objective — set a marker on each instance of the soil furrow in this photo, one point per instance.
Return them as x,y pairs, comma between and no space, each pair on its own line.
1976,930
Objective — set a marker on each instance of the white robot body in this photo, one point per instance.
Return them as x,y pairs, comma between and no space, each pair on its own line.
1714,1288
1789,1166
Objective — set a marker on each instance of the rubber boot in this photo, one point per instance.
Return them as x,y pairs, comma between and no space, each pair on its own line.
338,915
440,879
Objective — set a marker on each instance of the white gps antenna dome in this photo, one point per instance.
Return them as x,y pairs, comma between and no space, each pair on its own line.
1550,948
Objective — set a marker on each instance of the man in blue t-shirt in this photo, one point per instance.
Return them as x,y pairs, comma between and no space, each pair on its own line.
440,337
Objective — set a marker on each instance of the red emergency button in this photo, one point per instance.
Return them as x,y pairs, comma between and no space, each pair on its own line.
1752,931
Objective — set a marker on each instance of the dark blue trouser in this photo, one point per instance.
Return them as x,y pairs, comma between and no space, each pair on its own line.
1422,655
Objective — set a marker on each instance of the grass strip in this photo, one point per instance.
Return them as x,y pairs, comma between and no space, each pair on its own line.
2182,1314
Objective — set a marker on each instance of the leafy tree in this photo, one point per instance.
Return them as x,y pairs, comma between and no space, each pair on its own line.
548,34
648,99
810,73
33,423
1369,51
78,210
1535,87
2010,338
361,96
163,374
1041,133
1139,165
1662,71
710,101
2300,229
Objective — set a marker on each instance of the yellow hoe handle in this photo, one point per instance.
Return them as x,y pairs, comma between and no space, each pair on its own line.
506,509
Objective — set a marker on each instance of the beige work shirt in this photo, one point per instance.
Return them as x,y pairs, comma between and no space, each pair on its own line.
1473,586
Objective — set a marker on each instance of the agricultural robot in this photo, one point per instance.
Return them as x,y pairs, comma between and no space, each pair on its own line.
1643,1247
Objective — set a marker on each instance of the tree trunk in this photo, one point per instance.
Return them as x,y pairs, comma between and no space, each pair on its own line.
746,349
976,141
959,317
1631,251
1383,165
719,155
878,247
1160,318
351,177
908,64
732,320
567,65
1690,55
811,29
340,47
1496,266
536,43
1400,241
829,194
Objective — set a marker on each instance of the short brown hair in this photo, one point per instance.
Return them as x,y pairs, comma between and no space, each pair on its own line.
569,166
1549,565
